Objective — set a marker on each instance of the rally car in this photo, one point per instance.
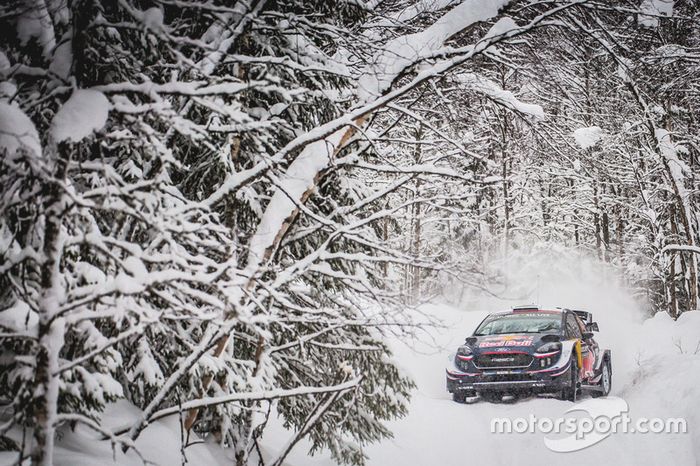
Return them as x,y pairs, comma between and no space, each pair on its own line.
532,351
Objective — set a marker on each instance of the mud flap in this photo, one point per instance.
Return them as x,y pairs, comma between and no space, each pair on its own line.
579,359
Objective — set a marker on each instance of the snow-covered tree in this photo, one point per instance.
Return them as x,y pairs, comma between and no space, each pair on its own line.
219,210
188,219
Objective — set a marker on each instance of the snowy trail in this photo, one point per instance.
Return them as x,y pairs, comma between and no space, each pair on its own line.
649,373
439,431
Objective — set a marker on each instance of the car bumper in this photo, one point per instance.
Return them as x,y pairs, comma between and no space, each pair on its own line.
505,381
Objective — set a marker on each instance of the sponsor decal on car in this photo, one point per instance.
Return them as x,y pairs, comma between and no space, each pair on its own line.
508,340
502,359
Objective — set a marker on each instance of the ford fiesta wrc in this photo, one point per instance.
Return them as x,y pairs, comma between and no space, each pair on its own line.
530,351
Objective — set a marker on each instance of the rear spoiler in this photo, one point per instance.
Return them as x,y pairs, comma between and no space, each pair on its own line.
526,307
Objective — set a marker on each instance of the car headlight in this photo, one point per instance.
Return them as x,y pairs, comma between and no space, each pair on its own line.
463,356
551,347
464,350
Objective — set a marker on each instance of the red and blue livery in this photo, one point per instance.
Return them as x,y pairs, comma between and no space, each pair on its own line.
531,351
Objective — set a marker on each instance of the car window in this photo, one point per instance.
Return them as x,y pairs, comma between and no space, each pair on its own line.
520,323
572,328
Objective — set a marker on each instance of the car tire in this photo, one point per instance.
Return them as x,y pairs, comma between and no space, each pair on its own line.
605,380
570,393
459,397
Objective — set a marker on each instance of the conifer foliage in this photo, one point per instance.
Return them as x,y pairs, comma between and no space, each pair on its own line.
220,210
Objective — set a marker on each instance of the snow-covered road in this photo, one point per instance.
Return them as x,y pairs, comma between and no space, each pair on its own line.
441,432
655,371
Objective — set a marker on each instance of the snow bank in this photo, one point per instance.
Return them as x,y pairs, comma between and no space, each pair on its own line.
17,131
160,443
588,137
85,112
665,382
665,337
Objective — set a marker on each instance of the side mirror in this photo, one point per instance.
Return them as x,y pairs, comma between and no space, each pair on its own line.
587,335
592,327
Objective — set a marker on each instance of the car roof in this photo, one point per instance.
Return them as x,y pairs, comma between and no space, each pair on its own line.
529,311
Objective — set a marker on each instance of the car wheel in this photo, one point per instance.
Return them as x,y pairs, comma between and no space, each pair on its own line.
605,380
459,397
570,393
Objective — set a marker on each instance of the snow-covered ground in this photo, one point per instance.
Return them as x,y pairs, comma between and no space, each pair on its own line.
159,444
656,371
439,431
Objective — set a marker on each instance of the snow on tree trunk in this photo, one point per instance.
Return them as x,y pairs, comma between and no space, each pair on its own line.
675,171
51,325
